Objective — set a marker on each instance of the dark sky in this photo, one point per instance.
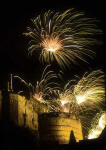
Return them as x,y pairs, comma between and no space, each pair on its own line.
15,17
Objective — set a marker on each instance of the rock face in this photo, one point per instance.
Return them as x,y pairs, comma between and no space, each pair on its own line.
54,127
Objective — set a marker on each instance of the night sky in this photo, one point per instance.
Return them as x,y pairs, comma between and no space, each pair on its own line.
15,17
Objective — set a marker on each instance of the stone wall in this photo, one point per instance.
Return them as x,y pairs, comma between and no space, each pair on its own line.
13,108
24,112
58,127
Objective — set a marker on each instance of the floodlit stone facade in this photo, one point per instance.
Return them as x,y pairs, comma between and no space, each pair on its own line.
58,128
24,112
53,127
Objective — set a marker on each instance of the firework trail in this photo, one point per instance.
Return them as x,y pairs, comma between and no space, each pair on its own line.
65,101
43,88
62,37
46,86
90,90
98,124
88,93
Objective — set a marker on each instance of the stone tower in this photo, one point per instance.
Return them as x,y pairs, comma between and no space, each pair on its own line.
57,127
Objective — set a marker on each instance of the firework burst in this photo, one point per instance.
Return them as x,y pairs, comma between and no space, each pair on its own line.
89,93
66,101
90,90
62,37
43,88
98,124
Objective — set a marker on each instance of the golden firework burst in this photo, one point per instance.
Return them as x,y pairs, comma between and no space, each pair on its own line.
62,37
51,44
90,90
66,101
45,87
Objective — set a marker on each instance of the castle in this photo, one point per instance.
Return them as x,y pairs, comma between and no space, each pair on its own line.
25,112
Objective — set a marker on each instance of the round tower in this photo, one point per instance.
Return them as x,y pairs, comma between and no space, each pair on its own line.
57,128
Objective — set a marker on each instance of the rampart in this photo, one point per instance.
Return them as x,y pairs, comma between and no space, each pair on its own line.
24,112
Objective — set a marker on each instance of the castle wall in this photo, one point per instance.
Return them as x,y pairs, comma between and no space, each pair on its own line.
13,108
24,112
31,116
21,110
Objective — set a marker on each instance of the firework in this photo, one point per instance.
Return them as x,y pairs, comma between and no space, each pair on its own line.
62,37
66,101
99,123
90,90
43,88
46,86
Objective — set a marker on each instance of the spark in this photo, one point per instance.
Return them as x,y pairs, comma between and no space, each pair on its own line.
62,37
63,102
98,125
39,97
102,121
51,44
80,99
95,133
66,101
